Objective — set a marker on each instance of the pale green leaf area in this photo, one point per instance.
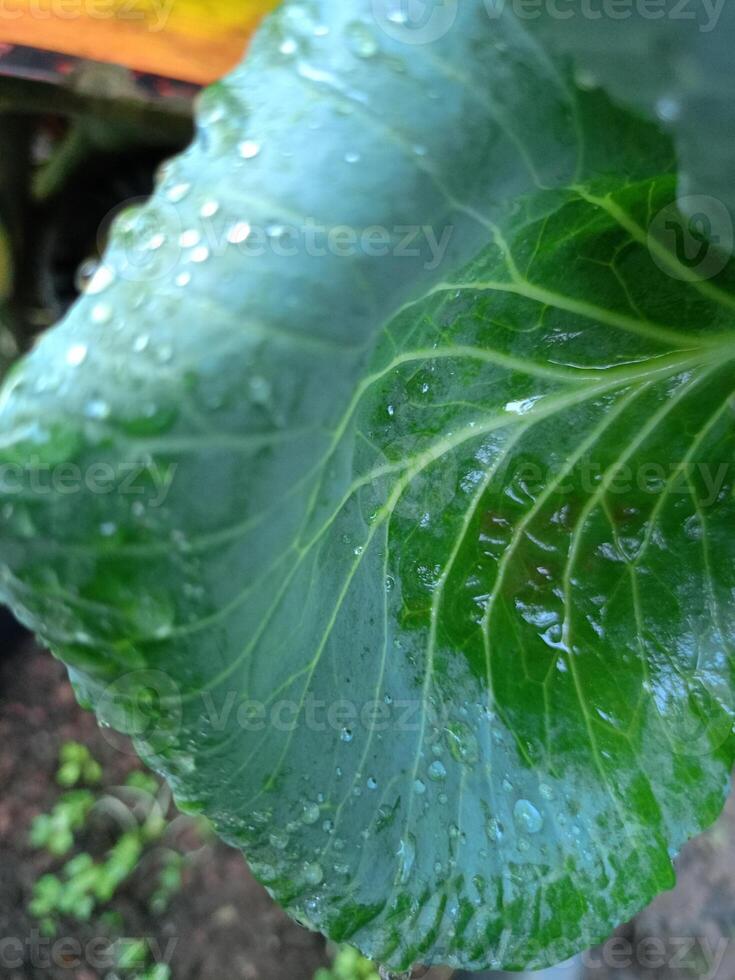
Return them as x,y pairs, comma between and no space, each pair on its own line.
488,498
671,60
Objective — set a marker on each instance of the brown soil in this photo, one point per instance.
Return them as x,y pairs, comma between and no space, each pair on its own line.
222,925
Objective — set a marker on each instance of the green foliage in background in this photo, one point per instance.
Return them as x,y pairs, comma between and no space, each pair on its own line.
348,964
85,885
77,766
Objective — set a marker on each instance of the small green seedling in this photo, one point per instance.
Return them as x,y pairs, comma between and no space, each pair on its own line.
132,960
170,880
55,831
77,766
85,884
348,964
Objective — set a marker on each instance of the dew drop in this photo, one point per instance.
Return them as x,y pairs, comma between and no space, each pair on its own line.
407,856
200,254
310,813
155,242
76,354
527,817
183,279
189,238
238,233
84,273
313,874
101,313
494,829
398,16
361,40
352,157
96,408
266,872
419,786
437,770
668,109
372,782
462,744
107,529
288,47
693,528
346,735
249,149
178,192
209,209
101,279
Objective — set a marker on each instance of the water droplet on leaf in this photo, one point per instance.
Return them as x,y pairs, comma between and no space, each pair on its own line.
527,818
76,354
361,39
437,770
249,149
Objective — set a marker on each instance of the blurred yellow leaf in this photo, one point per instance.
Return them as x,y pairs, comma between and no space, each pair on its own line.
190,40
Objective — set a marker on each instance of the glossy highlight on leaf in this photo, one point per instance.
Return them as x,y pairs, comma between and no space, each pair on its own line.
416,572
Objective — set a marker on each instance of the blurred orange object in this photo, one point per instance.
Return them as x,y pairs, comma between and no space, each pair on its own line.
191,40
